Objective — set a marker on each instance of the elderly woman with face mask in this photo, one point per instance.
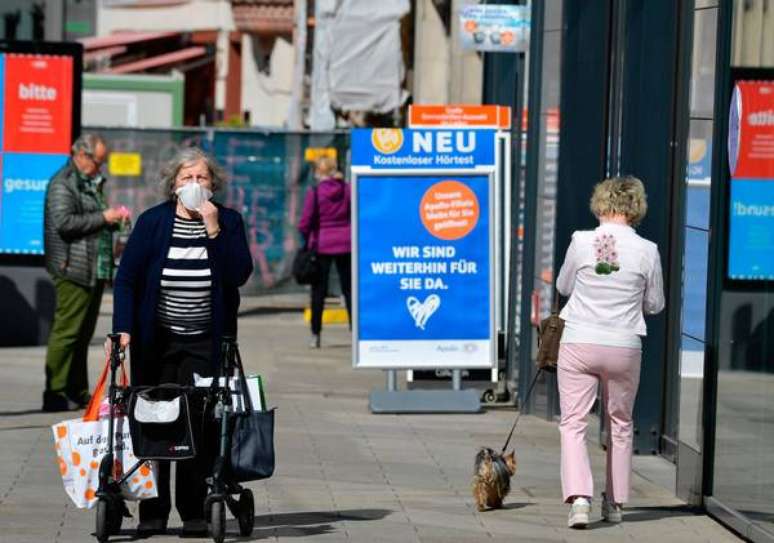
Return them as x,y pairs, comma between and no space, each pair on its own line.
176,295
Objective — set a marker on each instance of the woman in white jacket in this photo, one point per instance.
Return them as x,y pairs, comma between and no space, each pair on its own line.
612,277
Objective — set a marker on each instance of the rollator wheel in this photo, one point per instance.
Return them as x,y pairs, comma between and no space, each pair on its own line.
115,517
218,521
246,508
103,528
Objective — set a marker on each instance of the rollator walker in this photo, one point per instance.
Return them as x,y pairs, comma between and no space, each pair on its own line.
222,490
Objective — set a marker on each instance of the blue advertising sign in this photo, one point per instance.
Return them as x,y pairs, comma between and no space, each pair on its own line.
751,230
751,164
25,177
423,271
449,149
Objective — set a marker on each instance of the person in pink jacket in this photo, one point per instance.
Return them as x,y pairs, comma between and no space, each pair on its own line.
612,277
326,226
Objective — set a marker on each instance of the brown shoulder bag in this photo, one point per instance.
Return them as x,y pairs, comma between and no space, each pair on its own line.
549,335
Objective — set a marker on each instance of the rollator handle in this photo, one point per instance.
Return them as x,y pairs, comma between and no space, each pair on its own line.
115,350
228,346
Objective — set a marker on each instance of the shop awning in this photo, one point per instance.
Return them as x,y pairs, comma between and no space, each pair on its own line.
107,52
123,38
158,61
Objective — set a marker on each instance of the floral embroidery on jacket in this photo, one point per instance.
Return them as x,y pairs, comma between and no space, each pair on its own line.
606,255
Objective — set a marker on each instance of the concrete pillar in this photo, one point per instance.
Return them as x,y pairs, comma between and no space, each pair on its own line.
467,67
225,24
221,69
321,115
295,116
431,62
444,73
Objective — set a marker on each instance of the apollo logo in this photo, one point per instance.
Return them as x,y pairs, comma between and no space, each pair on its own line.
36,92
387,140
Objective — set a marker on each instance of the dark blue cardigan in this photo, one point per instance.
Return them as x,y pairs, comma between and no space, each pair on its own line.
137,283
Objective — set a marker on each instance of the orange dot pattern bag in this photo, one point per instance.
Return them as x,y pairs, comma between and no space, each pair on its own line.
81,443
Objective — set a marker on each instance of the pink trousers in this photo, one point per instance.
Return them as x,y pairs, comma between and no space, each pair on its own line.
580,367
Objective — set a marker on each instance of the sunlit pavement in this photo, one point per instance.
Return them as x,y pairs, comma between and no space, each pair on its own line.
343,474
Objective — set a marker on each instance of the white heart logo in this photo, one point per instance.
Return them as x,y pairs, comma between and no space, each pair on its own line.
422,311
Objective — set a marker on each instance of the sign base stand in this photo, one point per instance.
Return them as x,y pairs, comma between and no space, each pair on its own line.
394,401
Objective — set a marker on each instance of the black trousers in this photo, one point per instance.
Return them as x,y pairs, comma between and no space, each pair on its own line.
320,288
175,361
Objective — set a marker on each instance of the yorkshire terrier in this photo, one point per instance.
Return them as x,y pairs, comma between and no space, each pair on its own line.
492,478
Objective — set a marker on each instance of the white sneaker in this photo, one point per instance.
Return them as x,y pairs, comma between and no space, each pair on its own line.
579,513
611,512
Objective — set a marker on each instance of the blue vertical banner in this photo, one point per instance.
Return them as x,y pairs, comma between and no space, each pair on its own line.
25,178
423,261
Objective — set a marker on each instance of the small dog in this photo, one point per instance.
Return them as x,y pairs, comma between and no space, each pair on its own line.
492,478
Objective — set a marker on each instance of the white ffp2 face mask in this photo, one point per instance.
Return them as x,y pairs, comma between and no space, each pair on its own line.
192,195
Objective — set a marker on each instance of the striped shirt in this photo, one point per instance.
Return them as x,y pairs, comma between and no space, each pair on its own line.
186,281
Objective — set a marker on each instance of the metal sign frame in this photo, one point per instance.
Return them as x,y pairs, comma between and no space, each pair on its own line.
479,171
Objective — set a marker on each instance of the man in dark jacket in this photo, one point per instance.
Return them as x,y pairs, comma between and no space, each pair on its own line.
79,257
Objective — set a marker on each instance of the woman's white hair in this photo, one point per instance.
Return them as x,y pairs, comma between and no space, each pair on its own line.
185,157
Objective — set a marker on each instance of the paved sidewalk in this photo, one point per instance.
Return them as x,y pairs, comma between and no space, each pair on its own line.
343,474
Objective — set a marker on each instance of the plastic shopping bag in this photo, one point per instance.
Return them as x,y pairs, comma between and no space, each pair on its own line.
80,446
81,443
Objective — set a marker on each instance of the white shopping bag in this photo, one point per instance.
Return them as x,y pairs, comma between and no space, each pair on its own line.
254,386
80,446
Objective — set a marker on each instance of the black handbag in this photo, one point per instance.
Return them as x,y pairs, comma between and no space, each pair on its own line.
252,438
160,423
306,265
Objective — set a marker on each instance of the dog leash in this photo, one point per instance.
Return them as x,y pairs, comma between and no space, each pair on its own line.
521,410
